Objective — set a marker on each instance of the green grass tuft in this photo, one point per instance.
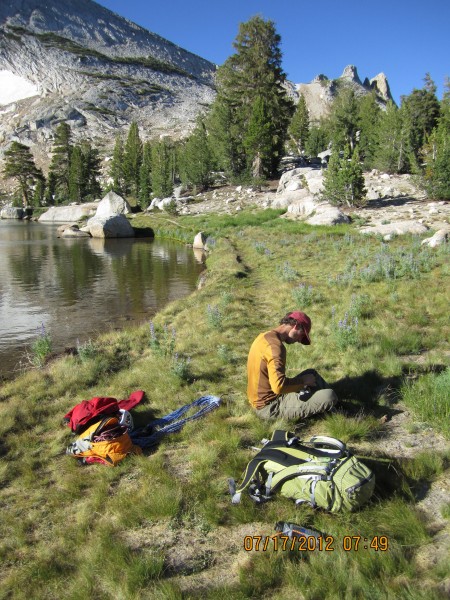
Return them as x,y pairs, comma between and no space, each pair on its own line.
429,398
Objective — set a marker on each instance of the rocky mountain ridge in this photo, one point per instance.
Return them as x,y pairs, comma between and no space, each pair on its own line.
88,25
321,91
97,71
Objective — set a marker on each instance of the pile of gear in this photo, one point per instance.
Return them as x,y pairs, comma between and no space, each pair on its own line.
106,432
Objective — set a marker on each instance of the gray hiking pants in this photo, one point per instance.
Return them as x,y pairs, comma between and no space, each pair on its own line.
291,406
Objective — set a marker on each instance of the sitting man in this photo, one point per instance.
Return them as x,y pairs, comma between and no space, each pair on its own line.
273,394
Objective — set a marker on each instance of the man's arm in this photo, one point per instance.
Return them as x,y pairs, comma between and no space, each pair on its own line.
305,379
276,368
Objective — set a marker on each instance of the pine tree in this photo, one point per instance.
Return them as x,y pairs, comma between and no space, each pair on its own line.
76,175
298,129
318,138
355,189
332,187
116,171
344,180
49,195
84,173
20,165
39,192
344,119
437,153
369,121
132,160
145,176
162,169
254,71
91,172
196,159
60,164
394,151
258,140
421,113
226,137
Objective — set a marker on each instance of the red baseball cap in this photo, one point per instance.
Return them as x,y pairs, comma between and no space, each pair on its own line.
305,321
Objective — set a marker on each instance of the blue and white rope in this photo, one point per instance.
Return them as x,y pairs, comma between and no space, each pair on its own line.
145,437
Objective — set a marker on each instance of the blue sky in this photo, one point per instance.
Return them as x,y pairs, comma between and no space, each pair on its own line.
402,38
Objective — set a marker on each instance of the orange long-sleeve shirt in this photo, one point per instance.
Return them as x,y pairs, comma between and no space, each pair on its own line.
266,370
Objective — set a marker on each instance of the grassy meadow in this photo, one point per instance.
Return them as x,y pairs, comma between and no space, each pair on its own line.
162,525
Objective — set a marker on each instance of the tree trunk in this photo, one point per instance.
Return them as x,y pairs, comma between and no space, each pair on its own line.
256,166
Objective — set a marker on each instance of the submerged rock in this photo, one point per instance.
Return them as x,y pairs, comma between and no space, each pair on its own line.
73,232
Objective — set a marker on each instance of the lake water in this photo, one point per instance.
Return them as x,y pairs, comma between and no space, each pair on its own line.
78,288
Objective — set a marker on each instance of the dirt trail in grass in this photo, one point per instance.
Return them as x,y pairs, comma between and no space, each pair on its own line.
195,557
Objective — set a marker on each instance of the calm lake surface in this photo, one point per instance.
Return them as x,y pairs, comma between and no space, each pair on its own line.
78,288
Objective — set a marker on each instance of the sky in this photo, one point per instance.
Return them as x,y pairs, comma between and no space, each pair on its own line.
404,39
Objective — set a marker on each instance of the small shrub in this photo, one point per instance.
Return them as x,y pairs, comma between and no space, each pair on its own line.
445,511
345,331
225,354
171,208
214,316
303,295
390,264
287,273
260,247
382,267
41,348
226,298
163,344
360,306
86,350
343,279
181,366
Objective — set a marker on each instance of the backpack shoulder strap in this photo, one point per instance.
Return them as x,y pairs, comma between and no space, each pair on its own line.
272,451
280,435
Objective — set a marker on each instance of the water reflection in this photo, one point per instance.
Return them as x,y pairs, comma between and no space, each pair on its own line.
200,255
80,287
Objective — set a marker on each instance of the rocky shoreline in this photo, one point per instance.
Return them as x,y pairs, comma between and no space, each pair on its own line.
395,206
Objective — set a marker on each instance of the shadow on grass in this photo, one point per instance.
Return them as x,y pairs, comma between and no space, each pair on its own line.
403,476
215,376
366,390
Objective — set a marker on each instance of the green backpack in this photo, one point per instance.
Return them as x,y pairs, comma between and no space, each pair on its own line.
321,472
